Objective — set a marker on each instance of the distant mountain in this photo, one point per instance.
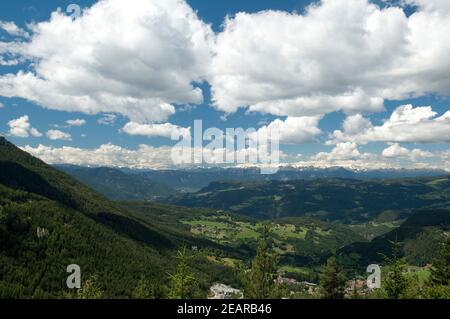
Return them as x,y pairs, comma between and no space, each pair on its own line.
118,185
191,180
49,220
419,237
327,199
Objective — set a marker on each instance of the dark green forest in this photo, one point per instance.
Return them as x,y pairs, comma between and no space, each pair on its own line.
344,200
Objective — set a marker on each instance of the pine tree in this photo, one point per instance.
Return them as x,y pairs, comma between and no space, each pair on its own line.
260,282
333,280
396,282
183,282
440,271
89,290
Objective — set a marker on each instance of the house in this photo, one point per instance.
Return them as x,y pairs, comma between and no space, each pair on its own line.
222,291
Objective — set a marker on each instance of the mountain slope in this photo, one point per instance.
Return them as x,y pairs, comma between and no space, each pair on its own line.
117,185
35,266
76,195
419,236
48,221
328,199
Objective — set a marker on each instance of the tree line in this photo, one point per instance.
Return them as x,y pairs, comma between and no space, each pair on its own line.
259,280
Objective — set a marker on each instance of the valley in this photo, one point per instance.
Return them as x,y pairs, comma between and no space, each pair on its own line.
49,219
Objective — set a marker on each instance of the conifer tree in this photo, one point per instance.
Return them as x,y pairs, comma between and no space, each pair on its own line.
260,280
396,282
183,282
440,271
333,280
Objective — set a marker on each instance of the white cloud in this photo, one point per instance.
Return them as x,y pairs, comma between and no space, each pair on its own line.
144,157
348,155
136,59
12,29
76,122
147,157
406,124
10,62
21,127
355,124
345,55
294,130
342,151
153,130
58,135
106,155
107,119
2,105
397,151
320,104
431,5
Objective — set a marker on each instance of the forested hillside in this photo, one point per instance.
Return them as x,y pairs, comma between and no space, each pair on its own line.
192,180
343,200
419,237
49,220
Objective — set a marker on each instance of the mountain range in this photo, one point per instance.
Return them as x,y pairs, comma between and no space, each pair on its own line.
191,180
118,185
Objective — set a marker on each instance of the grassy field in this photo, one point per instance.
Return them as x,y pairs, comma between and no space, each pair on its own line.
304,237
226,230
223,229
371,230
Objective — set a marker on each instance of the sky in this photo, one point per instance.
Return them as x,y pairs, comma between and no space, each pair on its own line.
352,83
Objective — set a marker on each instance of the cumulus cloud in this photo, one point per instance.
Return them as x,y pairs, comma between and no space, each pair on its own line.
21,127
107,119
106,155
144,157
320,104
138,60
10,62
294,130
342,151
153,130
430,5
345,55
397,151
55,135
76,122
148,157
406,124
348,155
12,29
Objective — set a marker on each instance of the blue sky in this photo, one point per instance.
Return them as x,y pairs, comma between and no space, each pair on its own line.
234,92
